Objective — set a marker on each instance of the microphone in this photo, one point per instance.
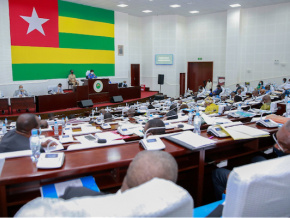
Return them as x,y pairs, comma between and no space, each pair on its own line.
153,128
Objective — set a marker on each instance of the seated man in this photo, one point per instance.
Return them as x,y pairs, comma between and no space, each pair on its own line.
150,106
130,113
155,123
281,148
58,89
210,107
72,78
20,92
268,89
218,90
172,114
18,139
255,94
123,84
145,166
92,75
43,124
267,102
238,87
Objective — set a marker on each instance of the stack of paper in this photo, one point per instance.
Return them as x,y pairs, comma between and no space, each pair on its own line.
190,140
214,120
243,132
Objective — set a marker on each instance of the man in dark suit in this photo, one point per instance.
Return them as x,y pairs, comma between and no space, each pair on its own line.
18,139
123,84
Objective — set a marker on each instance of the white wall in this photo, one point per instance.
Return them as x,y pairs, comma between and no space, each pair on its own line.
206,38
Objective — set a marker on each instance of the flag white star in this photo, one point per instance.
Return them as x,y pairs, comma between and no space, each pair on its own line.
35,22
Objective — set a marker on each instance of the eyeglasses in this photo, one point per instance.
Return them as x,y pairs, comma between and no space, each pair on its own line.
280,147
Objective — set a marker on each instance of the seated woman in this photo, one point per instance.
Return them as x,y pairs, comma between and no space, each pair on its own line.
267,103
260,85
210,107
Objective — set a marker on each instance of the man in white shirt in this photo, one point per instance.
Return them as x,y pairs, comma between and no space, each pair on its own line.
58,89
20,92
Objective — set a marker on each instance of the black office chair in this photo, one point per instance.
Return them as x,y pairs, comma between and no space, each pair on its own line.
69,84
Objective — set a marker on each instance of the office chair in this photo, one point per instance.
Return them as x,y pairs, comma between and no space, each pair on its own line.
259,190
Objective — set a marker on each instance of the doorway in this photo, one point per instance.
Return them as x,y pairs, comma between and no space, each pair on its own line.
135,74
197,72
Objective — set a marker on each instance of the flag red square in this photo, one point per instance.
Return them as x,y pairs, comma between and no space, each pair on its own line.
34,23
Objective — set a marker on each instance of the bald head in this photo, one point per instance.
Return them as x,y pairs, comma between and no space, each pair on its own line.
26,122
130,112
255,93
148,165
283,136
155,123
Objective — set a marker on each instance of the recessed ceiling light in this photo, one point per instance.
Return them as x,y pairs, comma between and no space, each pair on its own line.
122,5
194,12
235,5
175,6
147,11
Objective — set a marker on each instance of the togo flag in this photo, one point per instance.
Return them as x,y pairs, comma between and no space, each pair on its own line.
50,37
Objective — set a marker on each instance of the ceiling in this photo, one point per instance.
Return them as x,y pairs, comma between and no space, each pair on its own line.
161,7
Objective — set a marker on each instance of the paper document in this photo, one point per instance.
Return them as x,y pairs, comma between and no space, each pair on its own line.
2,161
88,145
190,140
14,154
238,132
214,120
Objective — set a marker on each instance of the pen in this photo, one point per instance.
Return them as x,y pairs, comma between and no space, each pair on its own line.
211,137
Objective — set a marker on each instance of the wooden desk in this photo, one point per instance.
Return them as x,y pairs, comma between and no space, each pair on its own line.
20,180
4,105
55,102
22,103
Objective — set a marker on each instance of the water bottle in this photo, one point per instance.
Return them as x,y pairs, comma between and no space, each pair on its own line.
34,145
239,108
63,121
39,117
288,109
190,115
197,123
286,99
66,119
102,118
148,113
55,128
4,129
6,121
93,112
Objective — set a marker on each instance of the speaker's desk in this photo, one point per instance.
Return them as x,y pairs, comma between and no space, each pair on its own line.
20,179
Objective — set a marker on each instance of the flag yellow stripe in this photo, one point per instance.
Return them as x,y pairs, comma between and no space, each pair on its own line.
29,55
85,27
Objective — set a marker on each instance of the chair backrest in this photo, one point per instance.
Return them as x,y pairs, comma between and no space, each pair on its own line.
156,198
259,190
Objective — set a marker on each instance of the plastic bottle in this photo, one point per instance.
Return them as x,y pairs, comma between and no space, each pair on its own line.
148,113
66,119
4,129
39,117
63,121
34,145
102,118
6,121
197,123
239,108
190,115
55,128
288,109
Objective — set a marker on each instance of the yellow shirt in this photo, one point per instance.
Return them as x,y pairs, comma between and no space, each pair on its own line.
266,107
212,108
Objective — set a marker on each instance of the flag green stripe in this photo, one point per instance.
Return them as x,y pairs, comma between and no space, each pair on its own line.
69,40
69,9
54,71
